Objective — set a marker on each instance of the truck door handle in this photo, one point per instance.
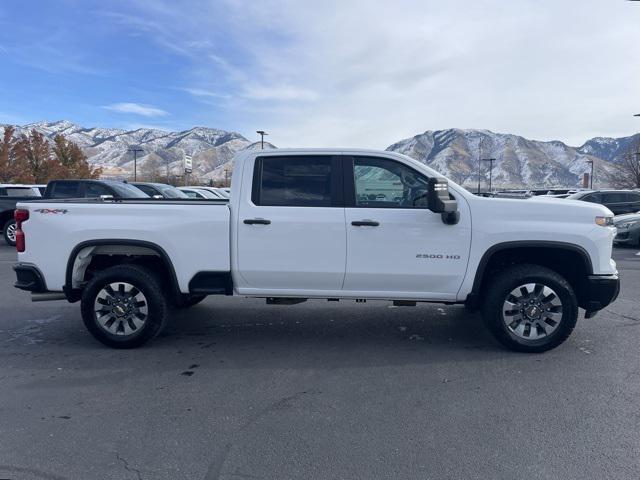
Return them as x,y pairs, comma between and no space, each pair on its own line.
257,221
365,223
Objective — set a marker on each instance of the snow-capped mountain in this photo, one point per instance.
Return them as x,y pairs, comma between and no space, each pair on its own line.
610,148
519,162
109,148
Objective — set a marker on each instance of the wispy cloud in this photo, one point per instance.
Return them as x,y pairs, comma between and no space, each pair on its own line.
137,109
279,92
199,92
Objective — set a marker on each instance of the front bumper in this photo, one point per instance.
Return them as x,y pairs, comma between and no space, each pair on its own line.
627,237
29,278
602,290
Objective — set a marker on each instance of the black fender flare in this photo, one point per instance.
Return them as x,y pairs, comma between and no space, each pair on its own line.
73,295
472,298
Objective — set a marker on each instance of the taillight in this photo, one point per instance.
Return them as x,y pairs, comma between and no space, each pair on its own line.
20,216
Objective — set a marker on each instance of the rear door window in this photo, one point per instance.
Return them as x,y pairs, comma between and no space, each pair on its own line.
296,181
614,197
593,198
95,190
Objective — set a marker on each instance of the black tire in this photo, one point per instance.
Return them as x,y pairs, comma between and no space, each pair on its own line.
500,290
186,301
6,231
97,292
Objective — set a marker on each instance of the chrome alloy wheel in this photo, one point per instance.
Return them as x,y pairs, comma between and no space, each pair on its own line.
11,232
532,311
121,309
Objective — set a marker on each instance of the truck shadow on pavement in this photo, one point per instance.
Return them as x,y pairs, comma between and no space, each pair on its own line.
373,334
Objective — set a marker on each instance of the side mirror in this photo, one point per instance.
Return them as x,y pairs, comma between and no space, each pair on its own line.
441,202
439,199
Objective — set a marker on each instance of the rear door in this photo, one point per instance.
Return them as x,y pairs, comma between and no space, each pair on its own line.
617,202
396,249
291,227
634,202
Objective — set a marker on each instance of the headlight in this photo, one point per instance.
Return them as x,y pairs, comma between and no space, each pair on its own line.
628,224
604,221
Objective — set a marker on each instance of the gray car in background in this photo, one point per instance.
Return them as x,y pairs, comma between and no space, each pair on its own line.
628,229
159,190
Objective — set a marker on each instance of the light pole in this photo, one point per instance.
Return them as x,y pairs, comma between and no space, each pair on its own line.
262,133
135,162
479,161
490,160
591,175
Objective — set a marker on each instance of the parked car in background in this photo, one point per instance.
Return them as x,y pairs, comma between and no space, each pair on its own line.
197,192
41,188
618,201
159,190
218,192
10,190
92,189
9,196
628,229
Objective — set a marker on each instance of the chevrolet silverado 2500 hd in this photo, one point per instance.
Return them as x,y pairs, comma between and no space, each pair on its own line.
334,224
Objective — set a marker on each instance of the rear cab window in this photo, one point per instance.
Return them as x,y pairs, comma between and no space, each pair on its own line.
18,192
66,190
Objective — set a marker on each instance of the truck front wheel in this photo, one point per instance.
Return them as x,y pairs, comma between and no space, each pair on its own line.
124,306
530,308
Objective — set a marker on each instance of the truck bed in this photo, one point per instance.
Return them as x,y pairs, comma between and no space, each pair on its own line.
193,233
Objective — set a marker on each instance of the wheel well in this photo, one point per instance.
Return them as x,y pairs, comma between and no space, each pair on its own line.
87,260
573,264
5,217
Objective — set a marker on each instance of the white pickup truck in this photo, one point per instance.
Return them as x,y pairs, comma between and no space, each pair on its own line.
328,224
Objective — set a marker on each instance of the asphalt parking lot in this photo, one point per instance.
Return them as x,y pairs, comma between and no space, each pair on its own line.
238,389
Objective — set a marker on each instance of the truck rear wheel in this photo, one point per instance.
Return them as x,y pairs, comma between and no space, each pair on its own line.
124,306
9,230
530,308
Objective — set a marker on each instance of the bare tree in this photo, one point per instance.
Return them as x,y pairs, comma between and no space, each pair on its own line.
628,168
152,170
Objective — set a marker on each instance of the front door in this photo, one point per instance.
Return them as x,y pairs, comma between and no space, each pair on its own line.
291,229
395,248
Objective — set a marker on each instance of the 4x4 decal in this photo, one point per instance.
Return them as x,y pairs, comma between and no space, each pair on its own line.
54,211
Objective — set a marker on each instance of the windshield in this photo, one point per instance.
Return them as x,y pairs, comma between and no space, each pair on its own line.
124,190
172,192
206,193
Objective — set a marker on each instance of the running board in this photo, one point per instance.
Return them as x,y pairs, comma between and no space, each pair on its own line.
284,301
404,303
47,296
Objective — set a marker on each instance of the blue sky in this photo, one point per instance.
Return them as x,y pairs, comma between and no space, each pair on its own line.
351,73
